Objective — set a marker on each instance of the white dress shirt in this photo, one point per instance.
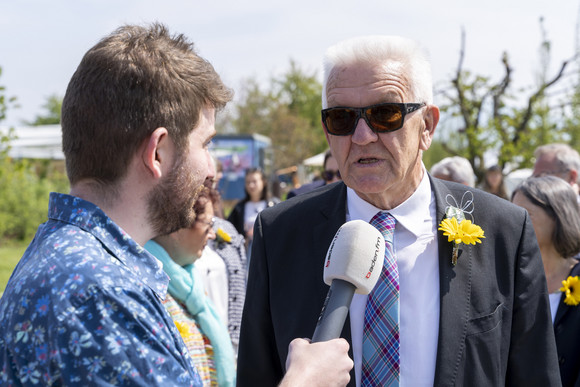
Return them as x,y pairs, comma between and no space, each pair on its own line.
554,303
417,256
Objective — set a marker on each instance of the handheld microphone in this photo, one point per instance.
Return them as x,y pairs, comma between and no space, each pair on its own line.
353,264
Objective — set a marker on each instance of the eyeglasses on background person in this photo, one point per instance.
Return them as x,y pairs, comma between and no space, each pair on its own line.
329,175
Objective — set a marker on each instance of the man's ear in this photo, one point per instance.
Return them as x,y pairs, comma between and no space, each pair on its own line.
431,119
157,152
573,174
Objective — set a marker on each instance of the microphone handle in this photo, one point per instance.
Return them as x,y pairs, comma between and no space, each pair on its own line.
334,311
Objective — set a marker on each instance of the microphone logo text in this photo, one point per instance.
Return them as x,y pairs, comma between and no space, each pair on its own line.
377,248
329,253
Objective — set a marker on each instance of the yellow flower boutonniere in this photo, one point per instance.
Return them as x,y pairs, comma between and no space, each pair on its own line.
222,236
458,229
571,287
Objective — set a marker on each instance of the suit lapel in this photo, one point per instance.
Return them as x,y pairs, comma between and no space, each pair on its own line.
455,291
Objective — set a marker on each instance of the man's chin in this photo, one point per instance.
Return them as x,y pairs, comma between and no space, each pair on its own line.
174,223
367,185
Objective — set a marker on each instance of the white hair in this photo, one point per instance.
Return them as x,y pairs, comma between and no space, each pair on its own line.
382,49
458,169
567,158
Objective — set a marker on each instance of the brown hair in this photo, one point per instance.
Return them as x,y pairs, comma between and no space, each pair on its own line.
205,194
133,81
557,198
264,195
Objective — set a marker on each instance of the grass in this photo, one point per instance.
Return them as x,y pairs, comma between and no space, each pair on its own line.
10,254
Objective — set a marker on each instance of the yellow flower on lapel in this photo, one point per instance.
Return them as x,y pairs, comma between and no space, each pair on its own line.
571,287
458,229
463,232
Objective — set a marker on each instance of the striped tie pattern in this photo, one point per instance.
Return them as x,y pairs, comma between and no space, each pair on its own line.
380,361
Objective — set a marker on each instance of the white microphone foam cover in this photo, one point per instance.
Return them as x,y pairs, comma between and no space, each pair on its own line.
355,255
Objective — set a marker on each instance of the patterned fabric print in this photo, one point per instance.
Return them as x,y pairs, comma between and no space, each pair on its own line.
234,255
83,307
196,342
381,321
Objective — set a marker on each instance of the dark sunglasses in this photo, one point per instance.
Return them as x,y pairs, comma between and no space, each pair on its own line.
381,118
329,175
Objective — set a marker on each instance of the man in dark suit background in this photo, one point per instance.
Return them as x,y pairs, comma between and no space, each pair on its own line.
483,321
330,174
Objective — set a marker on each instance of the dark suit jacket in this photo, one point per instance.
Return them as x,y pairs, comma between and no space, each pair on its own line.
495,327
567,330
238,213
305,188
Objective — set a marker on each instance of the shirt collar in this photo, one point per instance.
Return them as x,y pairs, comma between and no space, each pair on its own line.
92,219
410,214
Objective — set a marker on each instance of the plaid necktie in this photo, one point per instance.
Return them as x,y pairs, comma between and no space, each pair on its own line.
380,360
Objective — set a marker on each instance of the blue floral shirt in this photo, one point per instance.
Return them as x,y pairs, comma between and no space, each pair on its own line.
83,307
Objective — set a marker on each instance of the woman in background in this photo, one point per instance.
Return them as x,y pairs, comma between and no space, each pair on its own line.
493,182
555,214
246,211
198,320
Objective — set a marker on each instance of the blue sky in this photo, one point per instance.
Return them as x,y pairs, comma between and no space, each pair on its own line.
42,42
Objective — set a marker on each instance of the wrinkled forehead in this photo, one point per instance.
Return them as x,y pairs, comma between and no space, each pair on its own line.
385,82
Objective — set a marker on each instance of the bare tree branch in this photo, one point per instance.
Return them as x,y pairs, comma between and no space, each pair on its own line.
500,89
457,82
534,97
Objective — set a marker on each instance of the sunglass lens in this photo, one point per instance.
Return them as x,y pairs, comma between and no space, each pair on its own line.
340,121
385,118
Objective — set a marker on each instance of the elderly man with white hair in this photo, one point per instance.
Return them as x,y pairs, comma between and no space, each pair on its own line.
456,168
559,160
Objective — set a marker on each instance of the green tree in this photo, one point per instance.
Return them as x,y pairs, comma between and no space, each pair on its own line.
23,193
486,119
436,152
571,106
5,103
287,110
51,115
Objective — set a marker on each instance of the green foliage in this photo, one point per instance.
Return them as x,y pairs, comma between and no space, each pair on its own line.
52,108
490,122
24,196
5,101
24,187
434,154
10,254
571,112
287,111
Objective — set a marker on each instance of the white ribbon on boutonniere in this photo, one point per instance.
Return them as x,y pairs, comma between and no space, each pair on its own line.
456,227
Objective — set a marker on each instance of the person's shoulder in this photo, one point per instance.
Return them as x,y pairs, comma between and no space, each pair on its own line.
239,204
483,203
226,225
71,262
306,188
304,205
458,189
576,269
